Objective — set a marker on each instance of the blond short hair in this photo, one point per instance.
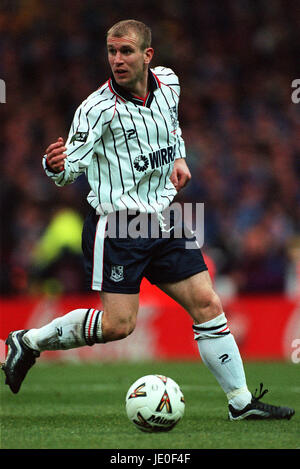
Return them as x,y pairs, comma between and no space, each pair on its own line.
122,28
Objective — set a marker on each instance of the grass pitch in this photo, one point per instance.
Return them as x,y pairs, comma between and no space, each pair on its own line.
81,406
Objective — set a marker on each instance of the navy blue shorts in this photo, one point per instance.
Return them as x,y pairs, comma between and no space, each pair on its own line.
117,260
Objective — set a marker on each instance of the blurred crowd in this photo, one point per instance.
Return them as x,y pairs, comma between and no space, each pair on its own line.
236,61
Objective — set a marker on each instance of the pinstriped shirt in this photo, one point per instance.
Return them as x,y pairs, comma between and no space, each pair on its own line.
126,146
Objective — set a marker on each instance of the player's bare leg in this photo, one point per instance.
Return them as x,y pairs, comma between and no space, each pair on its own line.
196,295
75,329
218,349
119,315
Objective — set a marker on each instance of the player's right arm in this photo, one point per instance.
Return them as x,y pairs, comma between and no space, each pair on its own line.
55,156
64,162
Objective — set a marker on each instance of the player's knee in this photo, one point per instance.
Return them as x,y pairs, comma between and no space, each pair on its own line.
123,330
117,330
208,306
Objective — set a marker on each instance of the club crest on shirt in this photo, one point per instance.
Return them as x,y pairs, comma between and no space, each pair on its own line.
173,114
117,273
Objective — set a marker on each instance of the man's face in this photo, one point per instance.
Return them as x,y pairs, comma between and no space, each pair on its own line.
127,60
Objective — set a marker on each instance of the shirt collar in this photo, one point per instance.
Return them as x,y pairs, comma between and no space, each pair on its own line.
153,84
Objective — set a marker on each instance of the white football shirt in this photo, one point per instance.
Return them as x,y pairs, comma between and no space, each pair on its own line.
126,145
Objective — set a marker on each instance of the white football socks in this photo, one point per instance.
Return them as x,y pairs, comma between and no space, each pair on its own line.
216,345
75,329
219,352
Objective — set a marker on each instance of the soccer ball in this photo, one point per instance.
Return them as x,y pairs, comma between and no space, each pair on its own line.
155,403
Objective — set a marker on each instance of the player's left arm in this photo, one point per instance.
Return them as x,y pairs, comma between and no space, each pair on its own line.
181,174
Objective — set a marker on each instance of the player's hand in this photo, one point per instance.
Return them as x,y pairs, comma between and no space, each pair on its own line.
181,174
56,156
